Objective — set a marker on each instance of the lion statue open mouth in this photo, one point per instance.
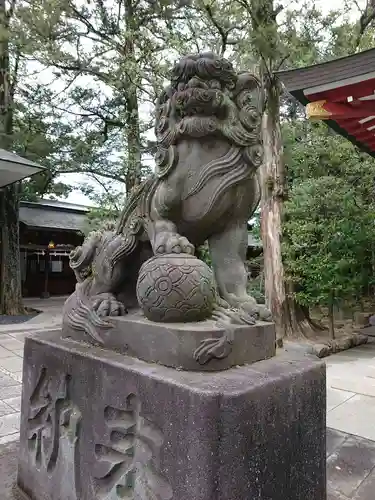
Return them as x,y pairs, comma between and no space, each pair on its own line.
205,188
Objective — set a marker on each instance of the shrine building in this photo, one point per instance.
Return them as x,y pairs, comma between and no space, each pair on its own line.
340,92
49,231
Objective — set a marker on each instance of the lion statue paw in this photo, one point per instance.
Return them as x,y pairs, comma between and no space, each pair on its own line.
106,304
259,311
166,243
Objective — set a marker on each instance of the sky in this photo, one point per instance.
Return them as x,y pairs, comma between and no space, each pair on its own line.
77,197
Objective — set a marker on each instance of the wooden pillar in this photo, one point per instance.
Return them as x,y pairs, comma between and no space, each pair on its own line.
45,293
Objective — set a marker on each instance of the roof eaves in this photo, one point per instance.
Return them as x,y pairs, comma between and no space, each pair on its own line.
343,68
300,96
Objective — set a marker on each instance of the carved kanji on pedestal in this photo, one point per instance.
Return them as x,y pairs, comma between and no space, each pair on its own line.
128,463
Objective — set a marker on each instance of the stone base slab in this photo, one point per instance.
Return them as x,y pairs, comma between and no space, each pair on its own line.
97,425
187,346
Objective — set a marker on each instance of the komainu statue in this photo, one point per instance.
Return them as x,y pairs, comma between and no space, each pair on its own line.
205,188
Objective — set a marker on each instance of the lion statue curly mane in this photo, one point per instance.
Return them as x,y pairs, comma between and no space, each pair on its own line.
205,188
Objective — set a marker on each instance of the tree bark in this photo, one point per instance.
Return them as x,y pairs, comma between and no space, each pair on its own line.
10,288
331,323
331,318
10,285
291,320
271,207
133,131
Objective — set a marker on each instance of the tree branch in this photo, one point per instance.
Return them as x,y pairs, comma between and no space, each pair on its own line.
223,34
89,25
90,171
366,18
11,8
14,81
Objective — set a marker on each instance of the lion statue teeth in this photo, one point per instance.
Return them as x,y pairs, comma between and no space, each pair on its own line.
205,188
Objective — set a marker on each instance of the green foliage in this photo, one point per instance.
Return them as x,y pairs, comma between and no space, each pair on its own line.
328,233
98,217
86,76
203,253
107,209
39,138
99,66
107,62
328,230
255,288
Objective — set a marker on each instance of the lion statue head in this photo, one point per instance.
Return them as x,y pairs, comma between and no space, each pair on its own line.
206,97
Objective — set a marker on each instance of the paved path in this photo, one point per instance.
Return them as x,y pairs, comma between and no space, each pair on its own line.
11,354
350,467
49,318
351,391
351,418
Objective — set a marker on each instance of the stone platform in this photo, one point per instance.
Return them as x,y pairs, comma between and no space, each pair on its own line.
97,425
198,346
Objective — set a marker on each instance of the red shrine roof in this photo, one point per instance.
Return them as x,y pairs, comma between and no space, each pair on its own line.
341,92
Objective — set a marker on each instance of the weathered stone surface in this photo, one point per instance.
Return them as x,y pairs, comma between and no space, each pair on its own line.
350,464
367,489
8,473
368,330
205,188
176,288
361,318
335,495
97,425
188,346
334,440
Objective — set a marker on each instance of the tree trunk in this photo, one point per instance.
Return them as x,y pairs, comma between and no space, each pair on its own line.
10,288
291,320
299,324
10,285
133,131
271,207
331,321
134,167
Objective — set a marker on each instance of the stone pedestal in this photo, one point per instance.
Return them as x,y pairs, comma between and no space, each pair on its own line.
198,346
98,425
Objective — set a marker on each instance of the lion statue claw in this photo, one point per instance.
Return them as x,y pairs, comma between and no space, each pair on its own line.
166,243
205,188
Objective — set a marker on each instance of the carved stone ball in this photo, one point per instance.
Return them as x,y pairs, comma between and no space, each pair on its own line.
175,288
